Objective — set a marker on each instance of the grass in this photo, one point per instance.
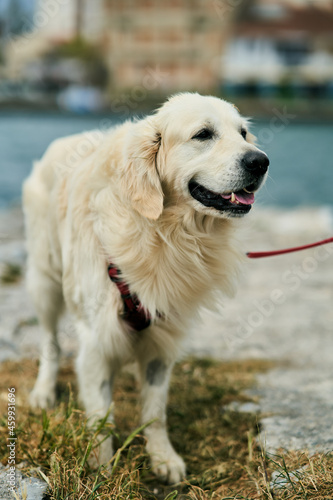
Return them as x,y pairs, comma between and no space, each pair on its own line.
218,445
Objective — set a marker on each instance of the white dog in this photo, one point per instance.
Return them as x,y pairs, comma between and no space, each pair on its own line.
153,205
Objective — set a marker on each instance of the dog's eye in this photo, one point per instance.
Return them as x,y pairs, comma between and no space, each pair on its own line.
204,134
243,133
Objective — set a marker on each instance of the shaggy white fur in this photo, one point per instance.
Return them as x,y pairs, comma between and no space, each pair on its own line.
124,196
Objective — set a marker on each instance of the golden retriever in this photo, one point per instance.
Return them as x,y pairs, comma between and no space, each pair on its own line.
157,200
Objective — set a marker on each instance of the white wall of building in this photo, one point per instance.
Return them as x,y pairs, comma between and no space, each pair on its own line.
56,19
258,60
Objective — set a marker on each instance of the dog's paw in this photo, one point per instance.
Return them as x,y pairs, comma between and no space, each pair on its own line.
42,396
169,467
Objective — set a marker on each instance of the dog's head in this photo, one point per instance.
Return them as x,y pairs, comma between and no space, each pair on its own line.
198,150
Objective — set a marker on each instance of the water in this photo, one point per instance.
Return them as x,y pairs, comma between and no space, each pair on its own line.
24,137
301,164
301,155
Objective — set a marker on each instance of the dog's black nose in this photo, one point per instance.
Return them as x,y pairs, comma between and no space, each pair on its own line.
255,162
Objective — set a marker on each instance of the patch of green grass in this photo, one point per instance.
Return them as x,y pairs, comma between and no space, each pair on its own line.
218,445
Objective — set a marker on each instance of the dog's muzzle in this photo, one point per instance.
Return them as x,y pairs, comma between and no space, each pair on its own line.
238,202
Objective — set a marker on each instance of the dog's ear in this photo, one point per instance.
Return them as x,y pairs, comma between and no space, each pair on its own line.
141,178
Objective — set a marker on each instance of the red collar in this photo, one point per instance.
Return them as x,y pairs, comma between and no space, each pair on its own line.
134,313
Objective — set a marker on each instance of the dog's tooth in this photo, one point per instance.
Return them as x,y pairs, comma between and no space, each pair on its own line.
233,198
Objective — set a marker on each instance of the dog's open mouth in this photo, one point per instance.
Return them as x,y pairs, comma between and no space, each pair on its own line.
237,203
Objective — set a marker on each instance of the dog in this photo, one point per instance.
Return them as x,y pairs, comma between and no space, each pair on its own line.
154,205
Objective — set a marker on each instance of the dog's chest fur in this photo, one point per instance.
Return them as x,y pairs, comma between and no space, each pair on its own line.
176,263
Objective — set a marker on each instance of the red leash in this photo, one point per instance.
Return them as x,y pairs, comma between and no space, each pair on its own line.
258,255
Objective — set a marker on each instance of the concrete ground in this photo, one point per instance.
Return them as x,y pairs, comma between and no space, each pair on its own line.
282,312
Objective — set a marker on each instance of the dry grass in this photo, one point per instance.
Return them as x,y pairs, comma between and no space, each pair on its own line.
218,445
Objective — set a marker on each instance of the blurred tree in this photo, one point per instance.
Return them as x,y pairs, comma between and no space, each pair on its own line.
79,17
17,18
87,54
244,9
2,37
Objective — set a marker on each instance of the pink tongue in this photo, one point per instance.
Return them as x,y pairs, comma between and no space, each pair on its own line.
245,198
242,197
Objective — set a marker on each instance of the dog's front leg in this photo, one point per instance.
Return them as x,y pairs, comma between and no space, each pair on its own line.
155,376
96,374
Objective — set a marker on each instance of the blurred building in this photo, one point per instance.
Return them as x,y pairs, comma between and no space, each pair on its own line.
152,46
182,39
278,41
60,21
